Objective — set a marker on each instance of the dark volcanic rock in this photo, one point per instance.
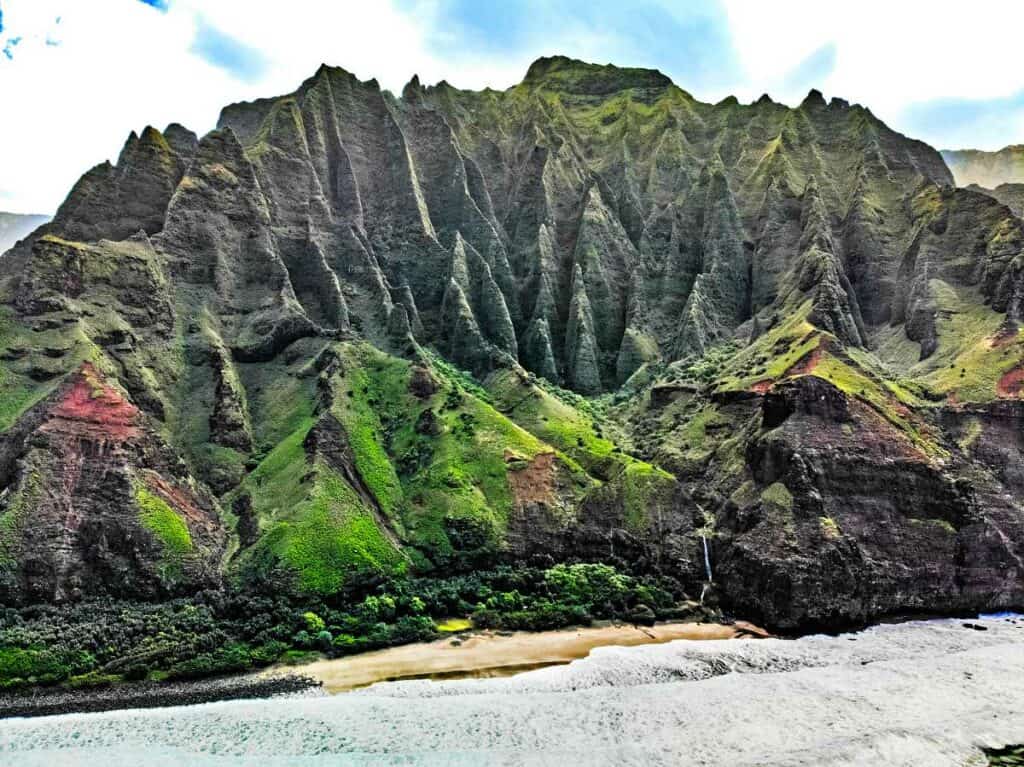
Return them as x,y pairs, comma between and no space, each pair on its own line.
95,503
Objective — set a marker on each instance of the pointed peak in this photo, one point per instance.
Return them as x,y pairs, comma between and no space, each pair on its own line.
177,129
326,71
130,145
413,90
181,139
151,137
764,100
728,101
813,99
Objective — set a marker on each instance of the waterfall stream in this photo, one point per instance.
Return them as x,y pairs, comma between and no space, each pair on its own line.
707,558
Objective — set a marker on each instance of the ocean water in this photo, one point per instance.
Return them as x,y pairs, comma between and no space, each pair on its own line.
917,693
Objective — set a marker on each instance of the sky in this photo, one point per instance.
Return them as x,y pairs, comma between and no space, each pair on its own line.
76,76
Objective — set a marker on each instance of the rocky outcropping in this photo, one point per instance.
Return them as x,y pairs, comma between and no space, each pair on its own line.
94,503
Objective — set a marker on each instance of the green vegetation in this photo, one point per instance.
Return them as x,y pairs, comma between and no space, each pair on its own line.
565,420
331,538
888,401
39,665
778,496
641,486
313,522
1010,756
14,516
772,355
436,466
971,356
17,392
375,398
95,643
452,625
168,528
829,528
164,523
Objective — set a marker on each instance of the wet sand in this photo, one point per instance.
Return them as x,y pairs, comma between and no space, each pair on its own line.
488,654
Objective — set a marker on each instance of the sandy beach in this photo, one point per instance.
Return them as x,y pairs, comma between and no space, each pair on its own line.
488,654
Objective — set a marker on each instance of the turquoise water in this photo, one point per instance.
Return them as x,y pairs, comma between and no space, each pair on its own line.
921,693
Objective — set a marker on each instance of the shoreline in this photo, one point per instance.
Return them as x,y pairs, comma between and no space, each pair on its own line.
52,701
463,654
479,654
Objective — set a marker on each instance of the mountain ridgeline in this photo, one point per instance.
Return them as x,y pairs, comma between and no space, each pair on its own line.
986,169
348,335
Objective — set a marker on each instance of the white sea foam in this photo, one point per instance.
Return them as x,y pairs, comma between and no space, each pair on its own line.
922,693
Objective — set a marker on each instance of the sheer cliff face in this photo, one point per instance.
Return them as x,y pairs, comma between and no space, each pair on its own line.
589,219
810,334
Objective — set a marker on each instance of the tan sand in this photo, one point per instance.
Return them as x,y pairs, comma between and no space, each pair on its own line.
484,654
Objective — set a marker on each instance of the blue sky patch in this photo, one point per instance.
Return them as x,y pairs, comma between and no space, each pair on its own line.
160,5
813,70
691,42
963,123
225,52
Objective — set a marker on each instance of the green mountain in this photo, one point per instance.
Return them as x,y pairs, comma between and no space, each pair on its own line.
348,335
987,169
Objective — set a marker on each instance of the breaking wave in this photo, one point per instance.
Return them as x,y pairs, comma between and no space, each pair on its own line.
927,692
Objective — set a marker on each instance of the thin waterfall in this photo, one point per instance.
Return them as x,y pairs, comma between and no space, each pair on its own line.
707,558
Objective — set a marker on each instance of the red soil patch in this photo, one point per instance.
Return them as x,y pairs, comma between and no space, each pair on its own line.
808,362
180,499
874,436
1005,336
94,411
1012,383
533,483
803,366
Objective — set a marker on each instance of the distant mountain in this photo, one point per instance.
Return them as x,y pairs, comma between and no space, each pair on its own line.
1010,195
15,226
788,344
987,169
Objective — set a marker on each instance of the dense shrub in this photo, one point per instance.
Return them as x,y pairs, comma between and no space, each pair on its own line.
228,631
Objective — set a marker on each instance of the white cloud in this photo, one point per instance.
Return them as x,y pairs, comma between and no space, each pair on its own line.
890,53
122,65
